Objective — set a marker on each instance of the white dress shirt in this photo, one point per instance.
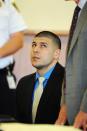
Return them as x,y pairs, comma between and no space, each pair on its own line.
81,3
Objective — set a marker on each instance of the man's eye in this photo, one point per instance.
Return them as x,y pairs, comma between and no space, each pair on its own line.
43,45
33,45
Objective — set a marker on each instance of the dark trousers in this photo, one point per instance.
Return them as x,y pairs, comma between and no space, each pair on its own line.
7,96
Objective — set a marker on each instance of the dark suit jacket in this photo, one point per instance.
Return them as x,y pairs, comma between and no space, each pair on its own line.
49,105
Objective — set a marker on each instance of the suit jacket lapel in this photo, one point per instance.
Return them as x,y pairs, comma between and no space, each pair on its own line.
28,96
80,23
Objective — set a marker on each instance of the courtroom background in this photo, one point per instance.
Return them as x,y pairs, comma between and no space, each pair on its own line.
53,15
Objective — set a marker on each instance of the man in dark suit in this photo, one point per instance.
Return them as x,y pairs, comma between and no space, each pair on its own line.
74,107
45,52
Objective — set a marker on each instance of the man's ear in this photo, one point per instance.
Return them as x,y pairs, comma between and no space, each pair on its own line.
57,54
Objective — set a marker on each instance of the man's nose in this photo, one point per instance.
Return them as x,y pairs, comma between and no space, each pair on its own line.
37,48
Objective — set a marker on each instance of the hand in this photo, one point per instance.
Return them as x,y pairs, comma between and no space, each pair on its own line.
81,120
62,116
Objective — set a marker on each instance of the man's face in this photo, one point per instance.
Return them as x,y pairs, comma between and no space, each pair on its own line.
43,52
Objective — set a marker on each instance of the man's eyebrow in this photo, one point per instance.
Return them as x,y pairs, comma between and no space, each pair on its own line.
43,42
33,42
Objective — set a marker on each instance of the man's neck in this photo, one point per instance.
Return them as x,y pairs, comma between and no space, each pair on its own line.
45,69
1,3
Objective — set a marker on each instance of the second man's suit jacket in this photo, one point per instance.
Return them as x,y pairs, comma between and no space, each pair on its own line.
76,69
49,105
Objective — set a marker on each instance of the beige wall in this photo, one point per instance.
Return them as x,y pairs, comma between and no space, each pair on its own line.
47,14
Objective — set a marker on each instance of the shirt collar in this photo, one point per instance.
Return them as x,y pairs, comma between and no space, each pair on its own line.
82,3
47,74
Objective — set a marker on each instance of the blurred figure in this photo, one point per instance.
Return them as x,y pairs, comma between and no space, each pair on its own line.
11,40
39,102
74,106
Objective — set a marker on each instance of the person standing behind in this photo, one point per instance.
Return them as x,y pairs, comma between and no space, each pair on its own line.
74,106
11,40
41,107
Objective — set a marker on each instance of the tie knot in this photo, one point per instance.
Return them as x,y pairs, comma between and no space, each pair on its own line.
41,80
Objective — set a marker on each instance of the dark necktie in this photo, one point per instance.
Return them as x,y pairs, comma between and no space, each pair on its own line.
73,25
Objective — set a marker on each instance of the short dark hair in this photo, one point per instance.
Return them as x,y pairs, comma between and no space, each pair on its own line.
51,35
